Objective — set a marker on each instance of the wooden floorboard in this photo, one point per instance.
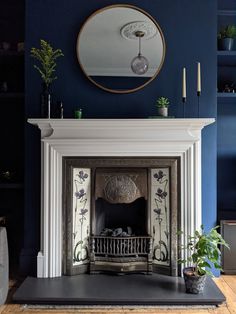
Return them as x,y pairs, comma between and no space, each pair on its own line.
226,283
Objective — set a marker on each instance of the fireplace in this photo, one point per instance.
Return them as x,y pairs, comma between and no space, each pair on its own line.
68,146
121,215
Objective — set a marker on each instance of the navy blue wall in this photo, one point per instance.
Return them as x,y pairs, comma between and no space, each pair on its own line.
189,28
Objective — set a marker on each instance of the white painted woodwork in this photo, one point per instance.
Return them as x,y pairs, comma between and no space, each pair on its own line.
114,137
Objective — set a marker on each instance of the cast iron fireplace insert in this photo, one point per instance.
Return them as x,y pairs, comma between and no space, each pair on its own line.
120,215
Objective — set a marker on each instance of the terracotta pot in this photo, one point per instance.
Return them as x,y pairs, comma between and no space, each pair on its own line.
193,284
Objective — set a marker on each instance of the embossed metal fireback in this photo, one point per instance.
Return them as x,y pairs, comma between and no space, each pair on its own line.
120,189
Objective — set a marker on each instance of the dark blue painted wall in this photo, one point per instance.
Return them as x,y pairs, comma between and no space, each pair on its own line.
189,28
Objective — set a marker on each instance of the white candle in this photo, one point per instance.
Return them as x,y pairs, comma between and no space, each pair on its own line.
198,77
184,83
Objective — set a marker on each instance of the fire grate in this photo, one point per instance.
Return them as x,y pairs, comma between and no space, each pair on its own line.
121,246
121,254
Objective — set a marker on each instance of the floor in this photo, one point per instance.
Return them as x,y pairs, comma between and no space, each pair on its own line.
227,284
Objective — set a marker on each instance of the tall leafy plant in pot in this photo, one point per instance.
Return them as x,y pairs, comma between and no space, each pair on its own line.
204,254
46,57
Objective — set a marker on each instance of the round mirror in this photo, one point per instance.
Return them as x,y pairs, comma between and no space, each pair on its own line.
120,48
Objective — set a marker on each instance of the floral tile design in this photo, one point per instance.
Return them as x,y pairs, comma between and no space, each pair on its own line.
81,214
160,215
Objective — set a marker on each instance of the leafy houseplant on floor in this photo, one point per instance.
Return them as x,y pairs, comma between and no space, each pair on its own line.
47,58
226,37
162,106
204,254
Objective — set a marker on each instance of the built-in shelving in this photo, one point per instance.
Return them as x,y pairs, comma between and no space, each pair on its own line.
226,53
11,95
14,186
226,95
11,53
226,98
226,58
226,113
226,12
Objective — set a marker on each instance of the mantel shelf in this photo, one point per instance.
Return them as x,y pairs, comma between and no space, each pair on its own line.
112,129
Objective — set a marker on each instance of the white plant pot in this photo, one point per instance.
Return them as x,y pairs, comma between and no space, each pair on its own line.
162,111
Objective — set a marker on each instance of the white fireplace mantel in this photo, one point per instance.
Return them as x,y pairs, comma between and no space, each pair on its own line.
113,137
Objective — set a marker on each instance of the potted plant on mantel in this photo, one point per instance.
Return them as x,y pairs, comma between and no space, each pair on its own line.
162,106
226,37
46,56
204,254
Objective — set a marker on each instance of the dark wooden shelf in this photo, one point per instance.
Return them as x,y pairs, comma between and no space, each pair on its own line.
226,98
11,53
226,95
11,95
226,58
227,12
226,53
15,186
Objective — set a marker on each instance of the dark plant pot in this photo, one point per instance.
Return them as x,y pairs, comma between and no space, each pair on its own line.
45,102
226,44
193,284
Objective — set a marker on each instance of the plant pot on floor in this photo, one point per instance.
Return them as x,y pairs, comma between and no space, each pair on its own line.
193,283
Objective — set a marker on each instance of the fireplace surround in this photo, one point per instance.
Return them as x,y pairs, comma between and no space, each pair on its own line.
128,138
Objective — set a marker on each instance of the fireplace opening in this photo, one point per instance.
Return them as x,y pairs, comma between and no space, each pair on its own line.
122,220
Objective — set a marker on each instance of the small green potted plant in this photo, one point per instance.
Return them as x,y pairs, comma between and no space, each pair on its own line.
162,106
204,254
226,37
46,56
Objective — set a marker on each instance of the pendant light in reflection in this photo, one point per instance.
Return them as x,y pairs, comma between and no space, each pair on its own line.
139,64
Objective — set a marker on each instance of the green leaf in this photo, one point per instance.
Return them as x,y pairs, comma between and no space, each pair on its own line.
204,264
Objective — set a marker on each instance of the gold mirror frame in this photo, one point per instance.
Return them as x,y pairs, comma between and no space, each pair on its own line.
151,78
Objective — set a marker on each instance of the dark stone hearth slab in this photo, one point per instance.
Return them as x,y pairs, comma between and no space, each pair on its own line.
103,289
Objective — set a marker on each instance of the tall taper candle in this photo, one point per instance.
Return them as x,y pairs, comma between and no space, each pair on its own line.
198,78
184,85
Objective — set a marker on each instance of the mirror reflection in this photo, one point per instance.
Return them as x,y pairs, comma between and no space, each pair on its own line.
121,48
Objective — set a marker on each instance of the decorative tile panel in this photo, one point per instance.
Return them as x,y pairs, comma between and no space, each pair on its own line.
160,215
81,215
